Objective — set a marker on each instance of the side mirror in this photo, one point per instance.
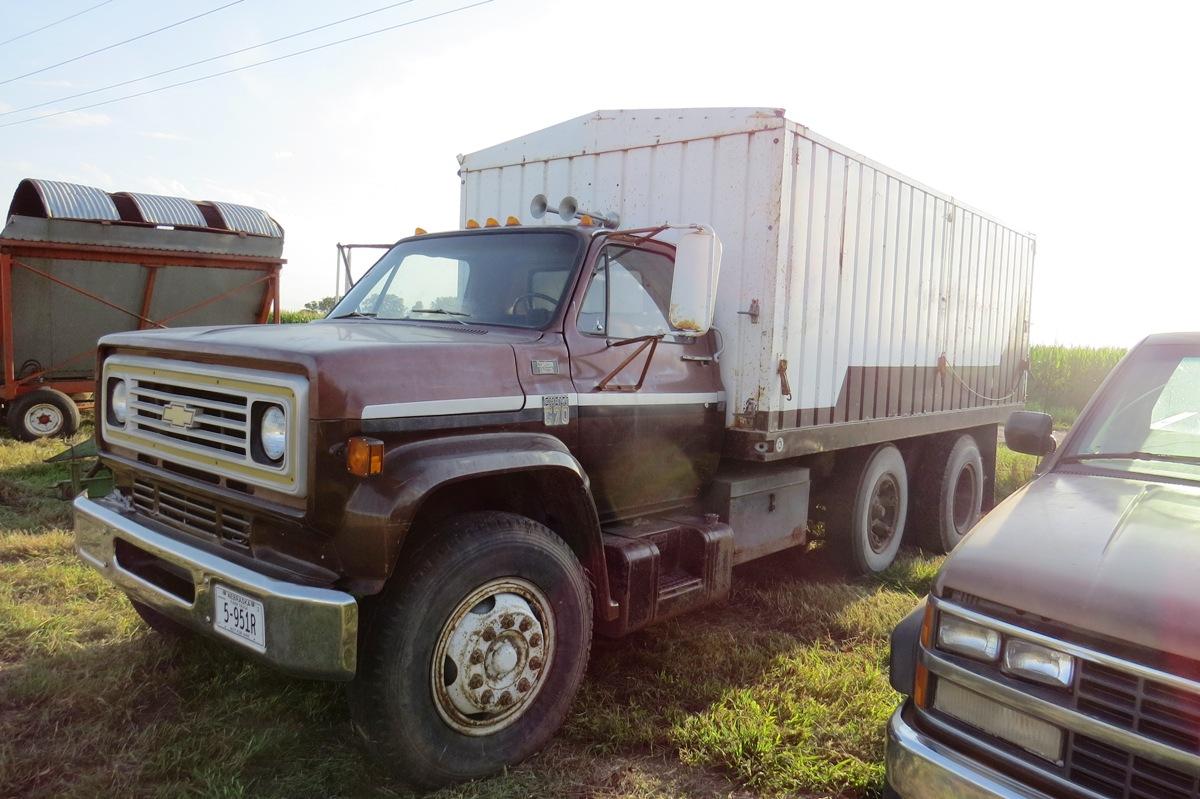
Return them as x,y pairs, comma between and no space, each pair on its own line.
1030,432
694,287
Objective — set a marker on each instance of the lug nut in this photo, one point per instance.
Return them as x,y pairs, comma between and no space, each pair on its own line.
535,663
506,621
535,639
525,625
523,685
488,634
505,699
476,657
486,697
475,682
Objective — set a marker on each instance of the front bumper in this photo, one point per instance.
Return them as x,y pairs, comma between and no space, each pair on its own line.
310,632
919,767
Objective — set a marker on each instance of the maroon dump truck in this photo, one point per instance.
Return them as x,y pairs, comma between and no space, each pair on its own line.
508,437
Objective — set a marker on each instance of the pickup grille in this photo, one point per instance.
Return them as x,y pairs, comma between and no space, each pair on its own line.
219,419
1147,707
1118,774
191,514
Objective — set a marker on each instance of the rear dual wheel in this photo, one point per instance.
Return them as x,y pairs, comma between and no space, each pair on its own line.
868,508
472,656
950,498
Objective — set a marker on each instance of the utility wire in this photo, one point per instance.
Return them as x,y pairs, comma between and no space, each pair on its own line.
203,60
124,41
55,22
250,66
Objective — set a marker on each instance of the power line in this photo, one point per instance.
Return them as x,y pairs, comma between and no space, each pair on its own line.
55,22
249,66
123,42
203,60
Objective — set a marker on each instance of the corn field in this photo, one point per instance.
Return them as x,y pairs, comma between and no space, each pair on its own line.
1062,379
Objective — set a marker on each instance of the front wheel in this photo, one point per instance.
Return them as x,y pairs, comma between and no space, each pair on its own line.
868,509
474,652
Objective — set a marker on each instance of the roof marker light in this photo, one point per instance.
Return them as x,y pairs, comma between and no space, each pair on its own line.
491,222
472,224
512,221
420,231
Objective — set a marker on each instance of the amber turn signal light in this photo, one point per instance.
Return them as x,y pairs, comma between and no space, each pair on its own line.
364,456
921,683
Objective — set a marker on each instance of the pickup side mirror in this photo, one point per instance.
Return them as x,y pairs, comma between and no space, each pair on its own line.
1030,432
694,287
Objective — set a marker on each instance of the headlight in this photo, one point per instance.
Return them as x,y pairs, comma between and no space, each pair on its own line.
1038,663
967,638
118,401
272,432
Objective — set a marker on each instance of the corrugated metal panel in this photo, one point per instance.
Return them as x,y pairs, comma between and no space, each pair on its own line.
72,201
245,219
864,277
160,210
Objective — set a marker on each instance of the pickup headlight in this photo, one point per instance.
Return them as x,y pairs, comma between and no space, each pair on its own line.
1038,663
272,432
967,638
118,401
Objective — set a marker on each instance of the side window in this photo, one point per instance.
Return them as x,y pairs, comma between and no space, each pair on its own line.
635,288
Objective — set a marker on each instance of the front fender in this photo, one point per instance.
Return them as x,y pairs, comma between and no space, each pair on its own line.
412,472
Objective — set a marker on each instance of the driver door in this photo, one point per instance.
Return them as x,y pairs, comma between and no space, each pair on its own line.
655,445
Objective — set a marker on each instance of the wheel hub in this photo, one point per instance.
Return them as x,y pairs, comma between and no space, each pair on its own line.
883,514
491,655
44,419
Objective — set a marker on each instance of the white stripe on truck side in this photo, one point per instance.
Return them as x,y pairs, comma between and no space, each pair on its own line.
450,407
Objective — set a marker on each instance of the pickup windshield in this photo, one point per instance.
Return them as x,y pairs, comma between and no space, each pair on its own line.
502,278
1148,418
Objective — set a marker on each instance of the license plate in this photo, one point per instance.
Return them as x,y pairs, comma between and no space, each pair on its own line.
240,617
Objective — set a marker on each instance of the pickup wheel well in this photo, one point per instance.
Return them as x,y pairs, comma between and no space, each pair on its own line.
549,497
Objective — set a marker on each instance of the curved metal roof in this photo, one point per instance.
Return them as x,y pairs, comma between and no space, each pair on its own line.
245,219
160,210
72,201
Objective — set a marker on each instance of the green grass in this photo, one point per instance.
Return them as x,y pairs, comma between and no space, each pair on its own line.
1013,470
782,690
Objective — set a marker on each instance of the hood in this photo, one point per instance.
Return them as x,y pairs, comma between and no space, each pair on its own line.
1108,555
355,363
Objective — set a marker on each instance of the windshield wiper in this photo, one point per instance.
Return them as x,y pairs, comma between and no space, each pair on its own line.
1136,455
362,314
442,311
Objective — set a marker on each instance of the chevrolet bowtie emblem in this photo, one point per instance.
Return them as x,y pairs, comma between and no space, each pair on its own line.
178,415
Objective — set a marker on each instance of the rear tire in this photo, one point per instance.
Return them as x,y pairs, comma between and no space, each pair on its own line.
44,413
950,498
867,509
474,651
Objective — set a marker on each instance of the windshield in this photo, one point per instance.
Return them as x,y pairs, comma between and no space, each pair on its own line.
478,278
1149,413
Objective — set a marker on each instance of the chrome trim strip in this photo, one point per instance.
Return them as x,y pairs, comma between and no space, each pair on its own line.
1065,717
1175,681
919,767
310,631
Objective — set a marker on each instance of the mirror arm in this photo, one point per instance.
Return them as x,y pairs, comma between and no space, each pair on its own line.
646,341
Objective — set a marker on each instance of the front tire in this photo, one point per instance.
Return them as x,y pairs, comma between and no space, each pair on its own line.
474,652
868,508
951,495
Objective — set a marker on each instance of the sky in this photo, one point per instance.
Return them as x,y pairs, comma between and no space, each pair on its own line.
1074,121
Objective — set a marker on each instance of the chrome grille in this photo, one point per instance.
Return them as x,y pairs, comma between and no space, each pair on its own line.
1135,703
1117,774
191,514
219,419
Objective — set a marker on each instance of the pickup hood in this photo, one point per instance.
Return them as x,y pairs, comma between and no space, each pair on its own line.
355,363
1108,555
